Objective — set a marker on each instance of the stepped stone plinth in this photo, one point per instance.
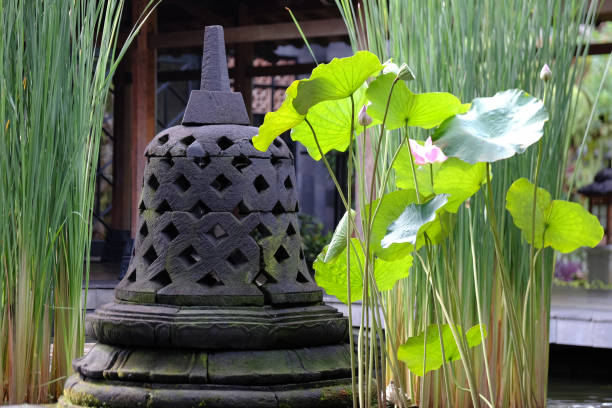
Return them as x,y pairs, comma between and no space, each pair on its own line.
218,308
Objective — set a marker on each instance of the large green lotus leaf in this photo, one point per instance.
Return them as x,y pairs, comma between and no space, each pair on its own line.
460,180
338,79
563,225
426,110
332,275
279,121
411,222
338,241
391,207
331,121
494,128
519,201
413,351
569,226
438,229
405,179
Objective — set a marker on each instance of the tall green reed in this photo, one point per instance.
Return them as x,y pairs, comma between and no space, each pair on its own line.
57,59
473,49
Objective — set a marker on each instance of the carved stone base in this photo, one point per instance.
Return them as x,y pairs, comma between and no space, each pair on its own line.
213,328
117,377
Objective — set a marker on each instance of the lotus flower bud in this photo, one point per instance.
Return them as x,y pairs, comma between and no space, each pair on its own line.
545,73
364,119
405,73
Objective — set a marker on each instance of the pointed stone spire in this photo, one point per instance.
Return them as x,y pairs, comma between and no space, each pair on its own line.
214,61
214,103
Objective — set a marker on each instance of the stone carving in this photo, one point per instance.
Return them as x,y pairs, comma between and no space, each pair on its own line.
217,308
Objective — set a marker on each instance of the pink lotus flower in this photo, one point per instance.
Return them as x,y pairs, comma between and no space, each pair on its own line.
427,153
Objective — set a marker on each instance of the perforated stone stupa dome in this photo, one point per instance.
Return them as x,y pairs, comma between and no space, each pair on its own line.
218,307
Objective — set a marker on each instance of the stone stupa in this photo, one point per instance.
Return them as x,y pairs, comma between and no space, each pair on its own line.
218,308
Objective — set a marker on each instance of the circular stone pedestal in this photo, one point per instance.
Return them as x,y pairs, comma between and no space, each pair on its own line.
166,356
119,377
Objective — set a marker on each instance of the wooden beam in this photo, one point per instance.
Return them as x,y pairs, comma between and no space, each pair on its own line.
333,27
143,67
271,70
600,49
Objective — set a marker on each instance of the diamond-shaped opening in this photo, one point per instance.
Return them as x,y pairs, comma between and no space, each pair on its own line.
202,162
211,279
262,278
301,278
217,232
170,232
260,231
297,207
260,184
182,183
290,230
163,207
277,143
142,206
301,253
221,183
161,278
152,182
237,258
163,139
168,161
150,256
281,254
144,230
278,209
276,161
131,277
187,140
224,143
288,183
199,209
241,210
241,162
190,256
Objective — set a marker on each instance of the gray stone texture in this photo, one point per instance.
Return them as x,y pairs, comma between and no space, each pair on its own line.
217,308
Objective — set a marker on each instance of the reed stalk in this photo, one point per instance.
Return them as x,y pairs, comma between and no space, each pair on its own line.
57,59
472,49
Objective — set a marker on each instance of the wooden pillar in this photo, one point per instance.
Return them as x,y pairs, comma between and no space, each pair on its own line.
143,67
122,186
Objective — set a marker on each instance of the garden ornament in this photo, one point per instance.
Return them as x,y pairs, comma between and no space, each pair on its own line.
218,307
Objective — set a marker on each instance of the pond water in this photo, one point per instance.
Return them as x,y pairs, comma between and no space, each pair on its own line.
566,393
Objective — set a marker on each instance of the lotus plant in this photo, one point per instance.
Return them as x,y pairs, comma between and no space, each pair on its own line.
386,231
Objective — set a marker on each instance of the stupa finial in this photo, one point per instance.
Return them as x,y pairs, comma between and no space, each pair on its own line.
215,103
214,61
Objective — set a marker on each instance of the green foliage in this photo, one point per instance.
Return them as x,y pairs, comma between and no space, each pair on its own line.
456,178
338,79
426,110
459,180
390,207
57,60
563,225
331,122
424,174
279,121
314,238
424,353
494,128
339,239
413,222
332,275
